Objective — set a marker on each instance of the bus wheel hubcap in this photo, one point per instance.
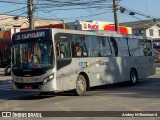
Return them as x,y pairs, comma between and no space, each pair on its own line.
80,85
133,78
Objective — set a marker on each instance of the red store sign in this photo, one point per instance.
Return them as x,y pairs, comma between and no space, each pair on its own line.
89,26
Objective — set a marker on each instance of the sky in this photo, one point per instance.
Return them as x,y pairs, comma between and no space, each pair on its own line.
104,13
148,7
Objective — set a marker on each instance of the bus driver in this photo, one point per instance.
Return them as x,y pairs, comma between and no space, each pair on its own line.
32,61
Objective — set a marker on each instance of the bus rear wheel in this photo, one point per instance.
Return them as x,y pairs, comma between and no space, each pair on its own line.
133,77
81,85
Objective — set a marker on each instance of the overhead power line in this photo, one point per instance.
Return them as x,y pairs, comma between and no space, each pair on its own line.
19,9
6,1
132,12
53,7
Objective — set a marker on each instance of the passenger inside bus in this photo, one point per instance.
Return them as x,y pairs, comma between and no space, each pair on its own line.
77,50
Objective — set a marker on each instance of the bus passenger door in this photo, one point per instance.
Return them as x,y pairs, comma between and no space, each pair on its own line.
63,63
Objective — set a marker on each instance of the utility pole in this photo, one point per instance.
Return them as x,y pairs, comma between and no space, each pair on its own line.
115,4
30,13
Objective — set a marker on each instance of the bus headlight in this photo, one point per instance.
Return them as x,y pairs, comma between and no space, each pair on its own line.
48,78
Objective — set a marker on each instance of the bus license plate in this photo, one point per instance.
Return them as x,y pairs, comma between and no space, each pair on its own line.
28,87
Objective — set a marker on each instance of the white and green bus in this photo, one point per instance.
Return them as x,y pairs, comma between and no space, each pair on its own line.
55,60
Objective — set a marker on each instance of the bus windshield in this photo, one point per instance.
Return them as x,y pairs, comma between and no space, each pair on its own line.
32,54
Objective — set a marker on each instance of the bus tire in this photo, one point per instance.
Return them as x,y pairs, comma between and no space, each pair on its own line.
81,85
133,77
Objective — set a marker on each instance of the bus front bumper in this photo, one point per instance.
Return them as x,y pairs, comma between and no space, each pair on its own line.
34,87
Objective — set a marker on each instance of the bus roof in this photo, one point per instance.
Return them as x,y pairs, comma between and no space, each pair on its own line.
100,33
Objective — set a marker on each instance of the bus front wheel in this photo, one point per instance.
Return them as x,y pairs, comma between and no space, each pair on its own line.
133,77
80,85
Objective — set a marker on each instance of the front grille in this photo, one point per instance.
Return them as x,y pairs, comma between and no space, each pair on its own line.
29,85
33,72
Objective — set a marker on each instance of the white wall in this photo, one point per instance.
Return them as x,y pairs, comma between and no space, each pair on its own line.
155,32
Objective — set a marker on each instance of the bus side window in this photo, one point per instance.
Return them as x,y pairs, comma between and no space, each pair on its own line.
124,46
104,47
77,50
65,50
114,46
93,46
79,46
134,47
147,48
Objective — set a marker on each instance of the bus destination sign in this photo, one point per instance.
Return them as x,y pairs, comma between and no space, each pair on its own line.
30,35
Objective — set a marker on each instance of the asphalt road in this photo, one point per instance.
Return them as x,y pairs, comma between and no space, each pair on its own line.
145,96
